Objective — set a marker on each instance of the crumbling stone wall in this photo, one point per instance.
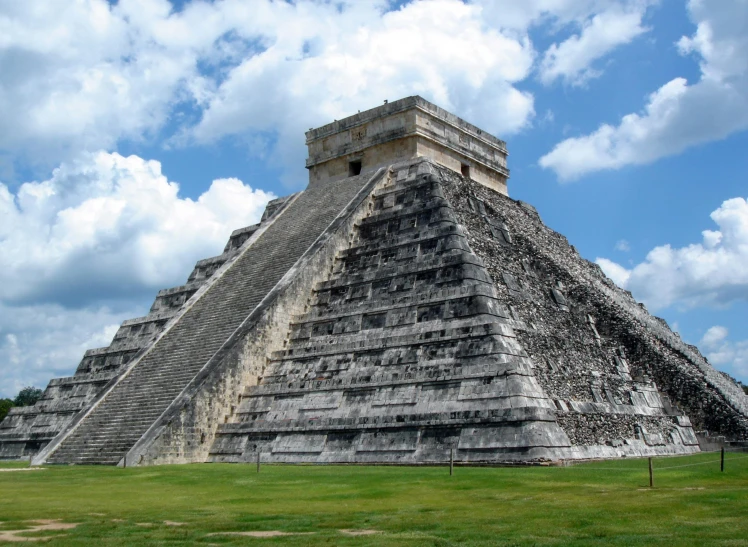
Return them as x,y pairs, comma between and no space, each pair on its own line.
589,340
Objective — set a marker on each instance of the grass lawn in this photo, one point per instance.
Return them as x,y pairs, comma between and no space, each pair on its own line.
592,504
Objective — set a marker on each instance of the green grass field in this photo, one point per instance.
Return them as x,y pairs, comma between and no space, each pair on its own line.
592,504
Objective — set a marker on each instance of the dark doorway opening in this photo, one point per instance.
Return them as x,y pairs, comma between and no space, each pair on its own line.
465,170
354,168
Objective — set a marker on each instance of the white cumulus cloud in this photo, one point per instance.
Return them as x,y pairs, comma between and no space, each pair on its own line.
90,247
80,75
572,59
45,341
322,63
723,352
711,273
108,225
677,115
83,75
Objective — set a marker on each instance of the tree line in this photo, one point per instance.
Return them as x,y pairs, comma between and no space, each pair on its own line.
28,396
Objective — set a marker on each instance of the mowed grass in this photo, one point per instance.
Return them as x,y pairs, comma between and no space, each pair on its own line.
601,503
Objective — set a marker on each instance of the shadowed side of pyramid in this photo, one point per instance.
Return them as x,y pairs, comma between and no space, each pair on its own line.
623,383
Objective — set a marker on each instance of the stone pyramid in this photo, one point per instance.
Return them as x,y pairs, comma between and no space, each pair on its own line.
400,307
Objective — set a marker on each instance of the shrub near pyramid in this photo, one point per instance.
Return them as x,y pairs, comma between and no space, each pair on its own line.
399,309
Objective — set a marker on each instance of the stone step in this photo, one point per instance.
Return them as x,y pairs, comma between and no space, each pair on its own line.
139,399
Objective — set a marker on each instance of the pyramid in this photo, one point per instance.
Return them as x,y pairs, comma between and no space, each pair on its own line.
399,309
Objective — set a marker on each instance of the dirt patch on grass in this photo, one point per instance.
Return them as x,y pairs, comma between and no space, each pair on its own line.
12,470
262,534
347,532
44,525
174,523
54,524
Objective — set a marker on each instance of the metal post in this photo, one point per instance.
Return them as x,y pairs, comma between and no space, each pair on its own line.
722,459
258,461
451,460
651,474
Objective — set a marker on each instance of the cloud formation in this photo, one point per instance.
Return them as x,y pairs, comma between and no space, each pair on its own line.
711,273
725,353
81,75
43,341
90,246
331,63
572,59
677,115
86,75
110,225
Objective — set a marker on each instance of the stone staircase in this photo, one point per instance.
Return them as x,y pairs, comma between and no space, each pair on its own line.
127,411
27,430
403,353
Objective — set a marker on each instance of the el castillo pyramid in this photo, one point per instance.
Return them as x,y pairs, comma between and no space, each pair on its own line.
400,307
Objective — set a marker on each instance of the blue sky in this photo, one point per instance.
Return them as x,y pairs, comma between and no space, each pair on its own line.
136,135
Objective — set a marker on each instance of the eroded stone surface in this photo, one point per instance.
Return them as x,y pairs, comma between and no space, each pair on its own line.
404,354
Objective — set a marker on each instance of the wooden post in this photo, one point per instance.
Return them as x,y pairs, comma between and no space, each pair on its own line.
451,460
651,474
258,461
722,460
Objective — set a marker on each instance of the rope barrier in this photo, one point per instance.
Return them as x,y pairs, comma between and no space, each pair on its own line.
585,468
686,465
742,449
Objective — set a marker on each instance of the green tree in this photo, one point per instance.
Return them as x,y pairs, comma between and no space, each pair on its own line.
5,406
28,396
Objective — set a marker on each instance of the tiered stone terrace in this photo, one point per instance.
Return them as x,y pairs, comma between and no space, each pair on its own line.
26,430
413,347
405,353
400,308
132,405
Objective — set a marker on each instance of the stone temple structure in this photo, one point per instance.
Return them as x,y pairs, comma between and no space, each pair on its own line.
399,307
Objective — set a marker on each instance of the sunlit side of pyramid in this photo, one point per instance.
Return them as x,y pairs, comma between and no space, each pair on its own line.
400,307
27,430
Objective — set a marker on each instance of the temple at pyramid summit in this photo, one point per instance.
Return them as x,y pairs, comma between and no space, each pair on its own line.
400,308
